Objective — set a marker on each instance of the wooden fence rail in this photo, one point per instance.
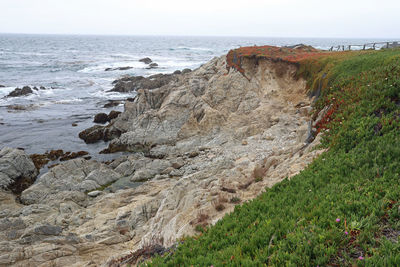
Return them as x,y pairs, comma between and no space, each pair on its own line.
366,46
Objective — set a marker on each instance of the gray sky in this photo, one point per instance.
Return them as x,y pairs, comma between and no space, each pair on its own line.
268,18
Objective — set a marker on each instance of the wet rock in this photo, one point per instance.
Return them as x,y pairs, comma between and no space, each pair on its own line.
55,154
177,72
42,88
146,60
92,134
18,107
73,155
39,160
113,114
1,86
17,171
153,66
101,118
26,90
120,68
74,124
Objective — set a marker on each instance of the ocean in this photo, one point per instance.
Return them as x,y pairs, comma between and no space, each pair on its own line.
72,69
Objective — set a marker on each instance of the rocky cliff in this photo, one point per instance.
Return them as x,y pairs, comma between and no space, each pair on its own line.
202,143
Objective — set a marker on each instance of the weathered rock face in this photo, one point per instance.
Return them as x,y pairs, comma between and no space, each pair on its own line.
210,137
71,179
17,171
129,84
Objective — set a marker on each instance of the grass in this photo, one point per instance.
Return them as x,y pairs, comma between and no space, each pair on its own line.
343,209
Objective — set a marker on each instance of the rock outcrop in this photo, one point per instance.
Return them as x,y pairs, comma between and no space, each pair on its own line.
26,90
17,171
203,142
129,84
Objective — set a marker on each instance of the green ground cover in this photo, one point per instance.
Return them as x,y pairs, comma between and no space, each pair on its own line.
342,210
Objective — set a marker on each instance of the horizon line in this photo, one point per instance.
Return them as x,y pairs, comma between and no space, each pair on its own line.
178,35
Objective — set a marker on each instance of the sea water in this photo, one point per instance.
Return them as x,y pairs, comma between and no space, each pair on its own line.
72,69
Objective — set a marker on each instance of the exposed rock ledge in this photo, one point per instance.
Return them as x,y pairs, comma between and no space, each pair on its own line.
209,137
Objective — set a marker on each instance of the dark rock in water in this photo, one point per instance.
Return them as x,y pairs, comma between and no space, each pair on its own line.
186,71
113,114
41,160
124,68
177,72
55,154
42,88
26,90
2,85
73,155
131,99
120,68
74,124
146,60
97,133
101,118
128,84
17,107
35,88
152,66
92,134
112,103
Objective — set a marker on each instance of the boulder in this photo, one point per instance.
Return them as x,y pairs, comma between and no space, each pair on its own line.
17,171
152,66
120,68
177,72
69,180
26,90
146,60
92,134
97,133
101,118
186,71
1,86
113,114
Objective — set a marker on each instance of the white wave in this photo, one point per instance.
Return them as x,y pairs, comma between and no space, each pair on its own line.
195,48
111,95
102,67
67,101
178,64
4,91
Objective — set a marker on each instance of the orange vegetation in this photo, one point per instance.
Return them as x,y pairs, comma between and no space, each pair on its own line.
293,55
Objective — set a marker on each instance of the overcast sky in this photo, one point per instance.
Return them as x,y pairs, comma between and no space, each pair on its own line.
264,18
